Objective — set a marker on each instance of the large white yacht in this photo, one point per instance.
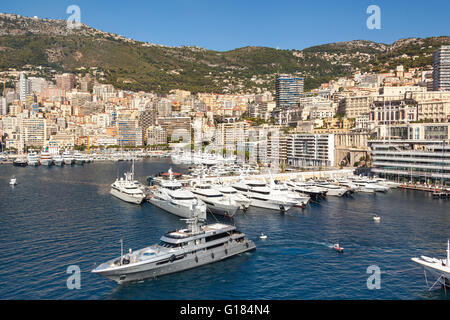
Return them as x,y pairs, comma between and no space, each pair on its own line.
216,202
33,159
262,196
126,189
438,268
231,192
172,197
67,157
312,191
282,190
178,250
78,158
333,190
58,160
46,158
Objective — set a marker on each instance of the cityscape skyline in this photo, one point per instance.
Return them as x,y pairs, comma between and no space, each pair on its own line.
265,24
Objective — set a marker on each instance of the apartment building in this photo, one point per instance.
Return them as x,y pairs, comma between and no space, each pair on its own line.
310,150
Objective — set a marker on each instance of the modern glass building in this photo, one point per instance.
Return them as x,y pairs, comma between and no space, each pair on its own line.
288,90
412,160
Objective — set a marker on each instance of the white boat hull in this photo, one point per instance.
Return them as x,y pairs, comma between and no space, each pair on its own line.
126,197
178,210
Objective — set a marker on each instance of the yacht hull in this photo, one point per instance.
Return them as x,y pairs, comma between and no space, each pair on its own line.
151,270
269,205
68,161
126,197
180,211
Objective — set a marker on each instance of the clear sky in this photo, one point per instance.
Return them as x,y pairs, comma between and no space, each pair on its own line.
225,25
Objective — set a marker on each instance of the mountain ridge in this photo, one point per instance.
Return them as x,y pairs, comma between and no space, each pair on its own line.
137,65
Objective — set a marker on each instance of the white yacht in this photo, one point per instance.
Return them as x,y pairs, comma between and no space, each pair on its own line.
67,158
239,198
33,159
78,158
172,197
312,191
58,160
283,190
177,251
262,196
127,189
46,158
333,190
216,202
439,268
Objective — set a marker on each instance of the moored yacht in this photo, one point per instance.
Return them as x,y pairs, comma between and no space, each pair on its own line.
78,158
312,191
333,190
126,188
58,160
262,196
177,251
32,159
239,198
20,162
215,201
439,268
173,198
67,158
46,158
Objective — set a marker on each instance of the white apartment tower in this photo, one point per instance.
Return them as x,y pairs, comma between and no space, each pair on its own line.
441,69
24,87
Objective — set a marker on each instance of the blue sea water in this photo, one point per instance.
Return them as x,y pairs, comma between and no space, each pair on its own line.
57,217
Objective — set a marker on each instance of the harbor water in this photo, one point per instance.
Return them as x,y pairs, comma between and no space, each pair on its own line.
58,217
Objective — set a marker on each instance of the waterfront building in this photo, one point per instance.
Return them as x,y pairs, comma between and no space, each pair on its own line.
415,131
176,127
126,129
34,131
230,133
156,135
441,69
411,160
305,149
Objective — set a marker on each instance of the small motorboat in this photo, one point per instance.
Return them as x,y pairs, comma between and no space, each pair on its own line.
376,218
263,236
338,248
13,181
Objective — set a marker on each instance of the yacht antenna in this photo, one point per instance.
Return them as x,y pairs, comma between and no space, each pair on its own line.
121,250
448,252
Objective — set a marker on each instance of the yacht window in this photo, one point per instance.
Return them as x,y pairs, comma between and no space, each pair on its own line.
182,198
168,245
216,236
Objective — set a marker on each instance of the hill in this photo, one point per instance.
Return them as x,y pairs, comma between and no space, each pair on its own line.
135,65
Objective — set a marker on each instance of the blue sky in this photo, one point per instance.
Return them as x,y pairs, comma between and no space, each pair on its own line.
225,25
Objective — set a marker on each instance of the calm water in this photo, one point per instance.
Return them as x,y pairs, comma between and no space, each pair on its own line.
56,217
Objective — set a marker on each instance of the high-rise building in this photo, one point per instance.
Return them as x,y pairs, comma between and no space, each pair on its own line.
24,87
288,90
127,132
441,69
65,81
